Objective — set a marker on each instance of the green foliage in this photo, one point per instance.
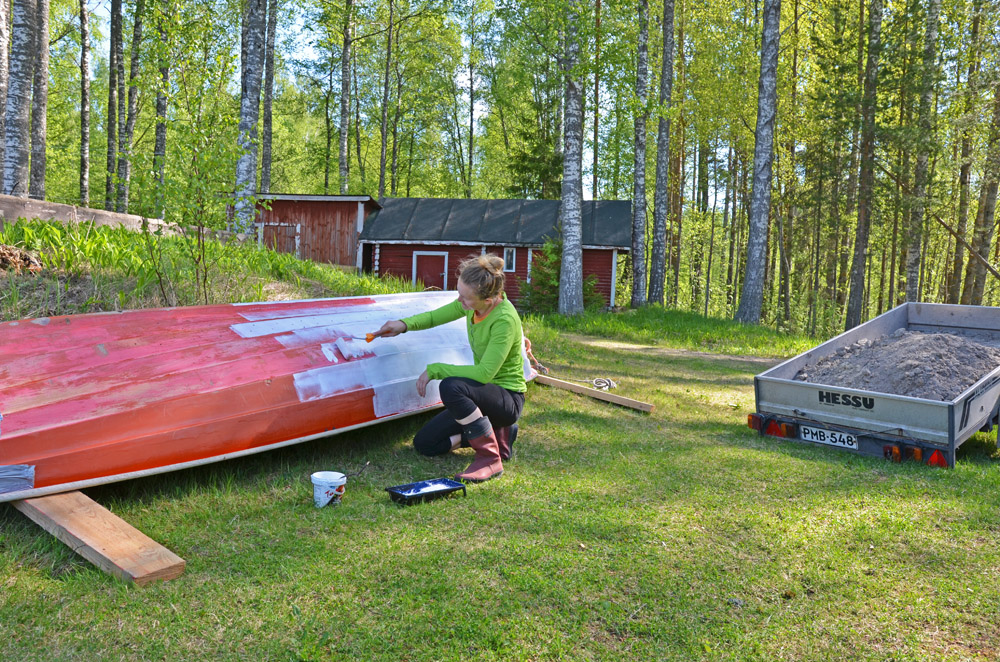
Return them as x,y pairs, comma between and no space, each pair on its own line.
541,294
96,268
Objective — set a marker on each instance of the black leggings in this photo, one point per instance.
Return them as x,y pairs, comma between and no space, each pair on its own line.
461,396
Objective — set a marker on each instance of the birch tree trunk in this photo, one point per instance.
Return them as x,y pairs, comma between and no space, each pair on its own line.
345,97
597,94
920,198
384,124
988,202
84,105
964,176
639,164
265,150
17,135
111,121
661,205
855,301
752,296
472,96
357,126
121,113
160,140
329,131
39,102
126,131
675,179
571,269
252,66
394,169
4,63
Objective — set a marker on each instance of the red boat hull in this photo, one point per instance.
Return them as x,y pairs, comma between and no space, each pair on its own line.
91,399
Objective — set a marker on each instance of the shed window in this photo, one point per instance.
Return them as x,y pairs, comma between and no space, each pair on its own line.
509,259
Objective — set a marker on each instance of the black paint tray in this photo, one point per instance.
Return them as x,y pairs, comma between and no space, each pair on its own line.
424,490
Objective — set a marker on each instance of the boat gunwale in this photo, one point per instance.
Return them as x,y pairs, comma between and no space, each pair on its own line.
132,475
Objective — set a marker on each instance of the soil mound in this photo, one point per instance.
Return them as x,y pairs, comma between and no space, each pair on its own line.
934,366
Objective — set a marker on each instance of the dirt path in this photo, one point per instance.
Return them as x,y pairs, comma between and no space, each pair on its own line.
758,362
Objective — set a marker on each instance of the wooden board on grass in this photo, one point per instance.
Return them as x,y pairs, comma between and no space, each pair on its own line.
96,534
595,393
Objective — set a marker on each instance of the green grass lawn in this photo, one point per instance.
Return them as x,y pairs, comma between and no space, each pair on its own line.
613,535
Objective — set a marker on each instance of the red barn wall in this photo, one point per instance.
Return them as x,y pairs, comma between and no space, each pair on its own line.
328,229
397,259
600,262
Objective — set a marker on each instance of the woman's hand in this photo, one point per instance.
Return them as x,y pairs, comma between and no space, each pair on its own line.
390,329
422,383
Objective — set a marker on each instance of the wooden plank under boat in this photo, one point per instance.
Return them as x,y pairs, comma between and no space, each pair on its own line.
97,398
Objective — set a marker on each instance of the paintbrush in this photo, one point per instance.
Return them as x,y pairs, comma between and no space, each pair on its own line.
368,337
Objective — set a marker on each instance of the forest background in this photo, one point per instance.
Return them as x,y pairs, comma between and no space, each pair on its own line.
881,168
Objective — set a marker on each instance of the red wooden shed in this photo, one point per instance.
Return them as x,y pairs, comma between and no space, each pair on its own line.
322,228
425,239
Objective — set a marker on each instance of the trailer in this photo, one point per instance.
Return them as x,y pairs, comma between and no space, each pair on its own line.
895,427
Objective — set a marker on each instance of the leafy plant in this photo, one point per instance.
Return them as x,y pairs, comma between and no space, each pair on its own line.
541,293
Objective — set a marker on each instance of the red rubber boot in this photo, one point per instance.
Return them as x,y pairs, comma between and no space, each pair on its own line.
505,439
487,463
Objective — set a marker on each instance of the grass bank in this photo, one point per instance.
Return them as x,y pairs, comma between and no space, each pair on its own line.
89,268
613,535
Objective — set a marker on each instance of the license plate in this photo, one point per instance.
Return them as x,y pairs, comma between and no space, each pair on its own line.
828,437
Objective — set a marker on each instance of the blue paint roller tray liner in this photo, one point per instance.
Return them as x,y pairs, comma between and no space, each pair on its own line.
424,490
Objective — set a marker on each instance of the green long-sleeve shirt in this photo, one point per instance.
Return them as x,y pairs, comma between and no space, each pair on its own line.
495,342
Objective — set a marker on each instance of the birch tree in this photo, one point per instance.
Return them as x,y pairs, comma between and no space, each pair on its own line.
639,163
111,118
266,138
752,296
4,60
164,48
661,207
18,107
252,66
855,302
39,102
920,197
383,126
84,105
128,116
975,278
345,95
965,169
571,269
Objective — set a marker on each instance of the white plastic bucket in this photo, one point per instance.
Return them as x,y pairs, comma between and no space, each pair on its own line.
328,487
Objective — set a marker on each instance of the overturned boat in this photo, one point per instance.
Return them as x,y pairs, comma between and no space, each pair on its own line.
97,398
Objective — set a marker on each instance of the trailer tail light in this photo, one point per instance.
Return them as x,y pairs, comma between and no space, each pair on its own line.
892,453
901,453
937,459
772,427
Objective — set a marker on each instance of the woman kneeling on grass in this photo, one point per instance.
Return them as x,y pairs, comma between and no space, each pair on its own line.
483,401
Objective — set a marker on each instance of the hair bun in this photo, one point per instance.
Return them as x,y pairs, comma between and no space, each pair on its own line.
484,273
492,263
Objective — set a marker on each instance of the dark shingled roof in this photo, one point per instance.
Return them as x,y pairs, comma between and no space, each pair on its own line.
495,222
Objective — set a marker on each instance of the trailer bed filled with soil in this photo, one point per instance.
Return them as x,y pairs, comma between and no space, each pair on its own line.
913,383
